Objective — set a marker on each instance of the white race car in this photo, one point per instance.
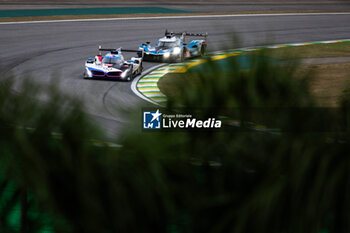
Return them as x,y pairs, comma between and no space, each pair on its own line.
113,66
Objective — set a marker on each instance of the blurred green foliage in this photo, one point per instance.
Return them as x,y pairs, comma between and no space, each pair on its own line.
188,181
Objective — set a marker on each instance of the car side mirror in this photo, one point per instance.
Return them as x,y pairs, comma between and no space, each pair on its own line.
148,42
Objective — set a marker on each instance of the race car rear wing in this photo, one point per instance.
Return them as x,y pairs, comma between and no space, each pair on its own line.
120,50
167,33
117,50
205,35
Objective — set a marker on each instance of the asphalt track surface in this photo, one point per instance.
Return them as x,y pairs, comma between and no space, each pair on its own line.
42,49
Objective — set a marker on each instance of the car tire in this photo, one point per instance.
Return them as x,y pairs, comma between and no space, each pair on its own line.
131,76
203,50
182,56
85,76
140,68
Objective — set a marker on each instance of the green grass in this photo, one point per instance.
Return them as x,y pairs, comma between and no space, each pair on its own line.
330,80
327,84
313,51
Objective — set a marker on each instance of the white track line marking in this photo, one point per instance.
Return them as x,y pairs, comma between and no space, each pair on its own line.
176,17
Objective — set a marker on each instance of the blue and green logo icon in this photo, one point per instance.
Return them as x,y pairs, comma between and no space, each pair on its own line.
152,120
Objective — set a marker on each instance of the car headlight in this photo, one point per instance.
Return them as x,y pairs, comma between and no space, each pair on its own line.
166,55
177,50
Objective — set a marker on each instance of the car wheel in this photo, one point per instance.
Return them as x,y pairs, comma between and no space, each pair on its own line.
182,56
131,76
140,68
203,50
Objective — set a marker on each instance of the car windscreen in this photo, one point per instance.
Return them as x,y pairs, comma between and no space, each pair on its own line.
117,62
165,44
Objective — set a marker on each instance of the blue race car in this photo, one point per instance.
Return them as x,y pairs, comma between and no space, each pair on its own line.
172,47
